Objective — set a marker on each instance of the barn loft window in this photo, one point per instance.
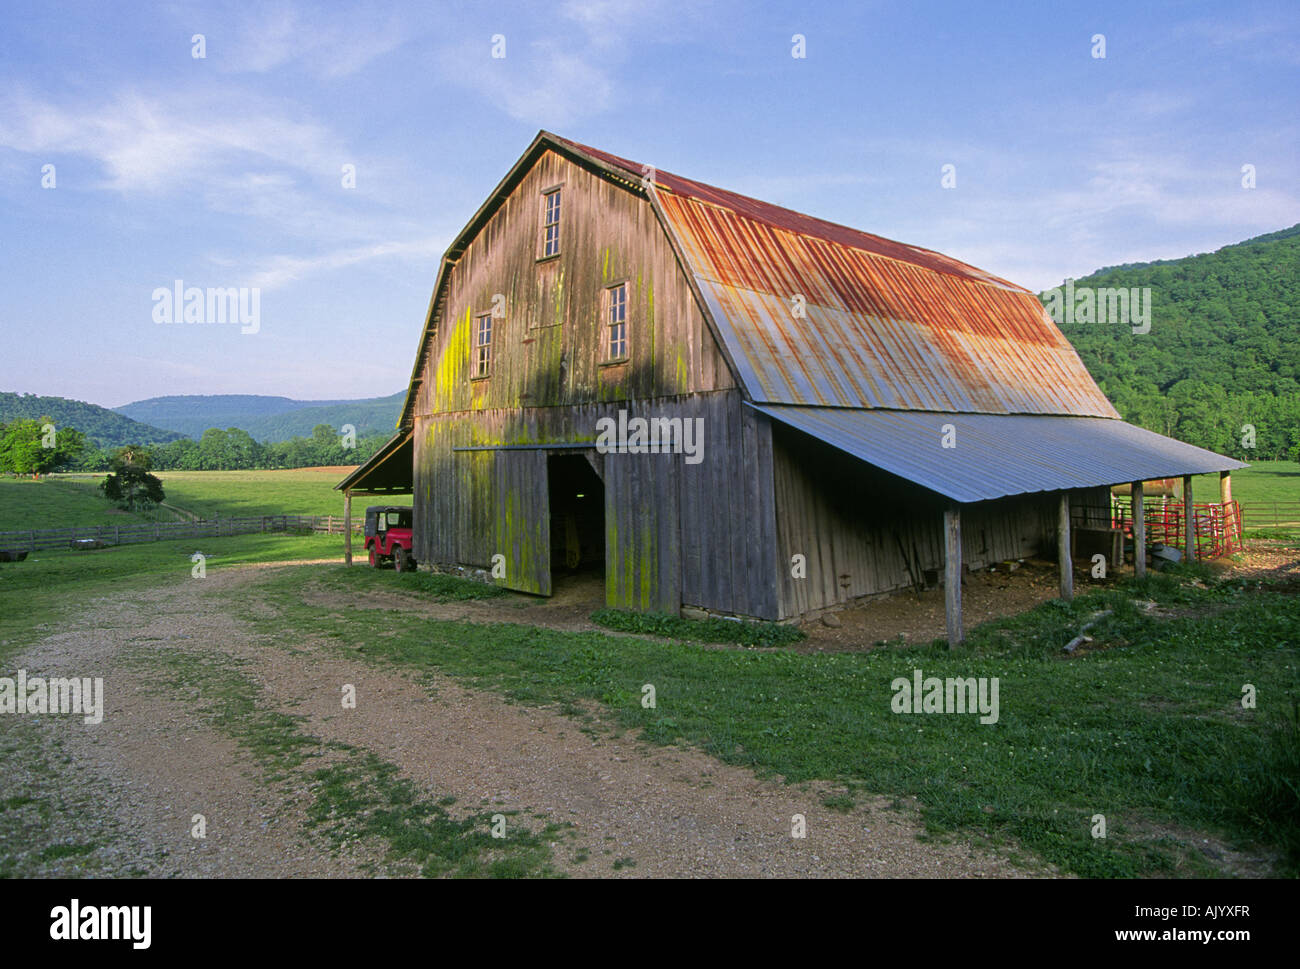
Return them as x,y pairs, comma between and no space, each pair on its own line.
483,345
550,223
616,320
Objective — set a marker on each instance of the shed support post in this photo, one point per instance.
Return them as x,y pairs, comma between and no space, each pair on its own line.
1139,532
1189,519
1231,524
347,526
952,573
1063,548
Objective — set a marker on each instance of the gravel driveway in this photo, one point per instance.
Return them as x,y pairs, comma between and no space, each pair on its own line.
126,791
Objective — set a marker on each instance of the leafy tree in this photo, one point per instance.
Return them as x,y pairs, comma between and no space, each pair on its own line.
130,485
35,447
1222,353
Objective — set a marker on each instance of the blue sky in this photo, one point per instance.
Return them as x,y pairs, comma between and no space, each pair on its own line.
225,171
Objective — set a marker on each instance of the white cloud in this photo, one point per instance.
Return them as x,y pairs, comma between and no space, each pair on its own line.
563,69
324,40
282,270
548,83
154,144
1262,40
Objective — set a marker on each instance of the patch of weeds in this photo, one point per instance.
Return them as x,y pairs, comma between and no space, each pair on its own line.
621,863
55,852
229,701
839,802
365,798
451,587
698,630
1264,791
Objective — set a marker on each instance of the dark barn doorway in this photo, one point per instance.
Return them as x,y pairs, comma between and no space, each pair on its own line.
577,503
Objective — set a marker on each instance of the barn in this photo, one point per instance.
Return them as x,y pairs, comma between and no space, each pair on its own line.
732,407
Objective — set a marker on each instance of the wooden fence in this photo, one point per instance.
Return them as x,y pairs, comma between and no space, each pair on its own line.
1281,515
93,536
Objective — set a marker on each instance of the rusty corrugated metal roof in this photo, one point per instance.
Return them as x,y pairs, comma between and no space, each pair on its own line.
886,324
996,455
774,215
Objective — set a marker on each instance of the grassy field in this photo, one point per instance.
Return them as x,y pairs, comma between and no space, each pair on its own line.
1263,481
207,494
226,493
60,503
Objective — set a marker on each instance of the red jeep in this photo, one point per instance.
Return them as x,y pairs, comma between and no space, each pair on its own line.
388,536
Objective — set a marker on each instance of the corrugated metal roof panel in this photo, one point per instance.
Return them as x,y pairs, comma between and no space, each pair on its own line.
996,455
876,332
766,213
887,325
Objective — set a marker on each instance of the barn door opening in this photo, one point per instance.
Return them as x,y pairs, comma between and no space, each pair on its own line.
577,504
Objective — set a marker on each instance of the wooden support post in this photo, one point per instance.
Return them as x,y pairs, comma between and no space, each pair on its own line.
1189,521
1139,532
952,573
1230,523
1064,557
347,526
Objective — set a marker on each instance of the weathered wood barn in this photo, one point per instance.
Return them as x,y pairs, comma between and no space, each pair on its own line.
867,415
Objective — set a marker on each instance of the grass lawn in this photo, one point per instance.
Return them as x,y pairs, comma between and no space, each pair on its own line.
208,494
1263,481
60,503
1147,729
228,493
1258,486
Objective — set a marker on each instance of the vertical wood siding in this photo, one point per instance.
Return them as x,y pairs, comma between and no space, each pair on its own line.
863,531
549,347
676,533
549,384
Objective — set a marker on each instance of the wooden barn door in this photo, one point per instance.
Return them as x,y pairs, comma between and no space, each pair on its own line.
521,519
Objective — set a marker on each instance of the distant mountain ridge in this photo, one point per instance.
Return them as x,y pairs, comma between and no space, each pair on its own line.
265,418
104,427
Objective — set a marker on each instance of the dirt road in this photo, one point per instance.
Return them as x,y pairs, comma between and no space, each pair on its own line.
122,797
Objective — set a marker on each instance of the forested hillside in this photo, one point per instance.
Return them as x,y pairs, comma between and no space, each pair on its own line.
267,419
100,425
1223,350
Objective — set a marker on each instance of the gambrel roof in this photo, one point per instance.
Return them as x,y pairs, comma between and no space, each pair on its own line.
808,312
873,346
883,325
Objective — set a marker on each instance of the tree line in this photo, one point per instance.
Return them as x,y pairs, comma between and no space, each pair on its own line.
1220,365
36,446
